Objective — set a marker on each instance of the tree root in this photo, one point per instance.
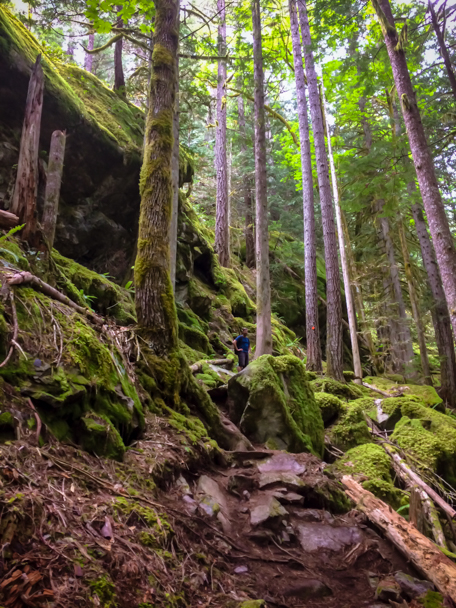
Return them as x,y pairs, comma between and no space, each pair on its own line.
13,342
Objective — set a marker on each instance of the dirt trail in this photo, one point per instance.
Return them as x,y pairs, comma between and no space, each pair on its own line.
283,534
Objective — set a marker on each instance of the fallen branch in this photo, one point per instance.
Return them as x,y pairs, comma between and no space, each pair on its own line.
398,393
416,479
27,278
13,342
198,366
421,551
8,220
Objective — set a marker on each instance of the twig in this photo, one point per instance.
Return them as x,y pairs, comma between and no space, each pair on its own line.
38,420
13,342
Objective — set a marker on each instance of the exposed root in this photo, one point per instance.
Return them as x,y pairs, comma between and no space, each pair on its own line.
13,342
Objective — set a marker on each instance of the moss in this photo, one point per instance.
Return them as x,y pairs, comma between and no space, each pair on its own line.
11,254
426,394
194,338
105,591
371,461
90,288
351,429
432,599
410,435
330,406
274,400
98,436
328,385
252,604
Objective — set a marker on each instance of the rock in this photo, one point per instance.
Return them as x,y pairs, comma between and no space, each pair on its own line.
308,589
238,484
330,406
282,463
210,497
318,536
412,587
261,536
288,497
182,485
271,400
388,590
191,504
99,436
241,570
287,479
308,514
267,507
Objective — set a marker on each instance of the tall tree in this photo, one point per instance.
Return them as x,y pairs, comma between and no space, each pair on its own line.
247,189
314,360
264,330
222,228
334,352
343,257
175,179
154,294
424,164
119,78
88,59
440,33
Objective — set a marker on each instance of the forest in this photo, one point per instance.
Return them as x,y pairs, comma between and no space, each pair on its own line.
227,303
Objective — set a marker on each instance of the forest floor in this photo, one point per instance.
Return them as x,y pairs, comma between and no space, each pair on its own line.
175,525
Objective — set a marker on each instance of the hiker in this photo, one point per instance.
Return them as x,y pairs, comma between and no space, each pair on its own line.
242,348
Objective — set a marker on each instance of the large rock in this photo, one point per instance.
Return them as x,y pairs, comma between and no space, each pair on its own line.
272,402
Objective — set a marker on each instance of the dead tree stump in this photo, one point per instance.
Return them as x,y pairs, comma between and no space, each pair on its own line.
53,182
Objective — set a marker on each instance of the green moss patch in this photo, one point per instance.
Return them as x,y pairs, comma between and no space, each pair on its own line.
351,428
330,406
347,391
426,394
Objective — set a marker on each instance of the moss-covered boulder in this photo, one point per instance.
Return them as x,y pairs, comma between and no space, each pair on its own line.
370,464
350,429
273,403
348,391
425,394
330,406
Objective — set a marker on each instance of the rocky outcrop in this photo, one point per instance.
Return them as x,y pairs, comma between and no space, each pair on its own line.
272,402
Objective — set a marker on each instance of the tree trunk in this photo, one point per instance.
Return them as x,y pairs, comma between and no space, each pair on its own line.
421,551
154,294
443,47
334,352
247,187
88,60
415,307
440,317
343,258
222,228
53,181
26,187
175,179
424,165
404,338
264,331
314,359
119,79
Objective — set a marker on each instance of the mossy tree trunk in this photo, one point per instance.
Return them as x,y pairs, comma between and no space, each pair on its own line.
25,190
247,187
313,345
154,294
119,78
424,163
222,228
334,344
415,307
53,182
263,282
175,178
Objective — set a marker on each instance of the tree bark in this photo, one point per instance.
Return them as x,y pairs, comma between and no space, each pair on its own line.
88,60
334,346
247,188
424,164
404,339
26,187
443,48
343,258
154,294
264,330
421,551
222,228
415,307
119,79
314,358
440,314
53,182
175,176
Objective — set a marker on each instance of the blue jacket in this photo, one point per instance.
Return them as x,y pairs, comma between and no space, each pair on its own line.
243,343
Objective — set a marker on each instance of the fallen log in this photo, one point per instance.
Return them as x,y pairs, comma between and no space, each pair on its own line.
8,220
398,393
27,278
421,551
198,366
